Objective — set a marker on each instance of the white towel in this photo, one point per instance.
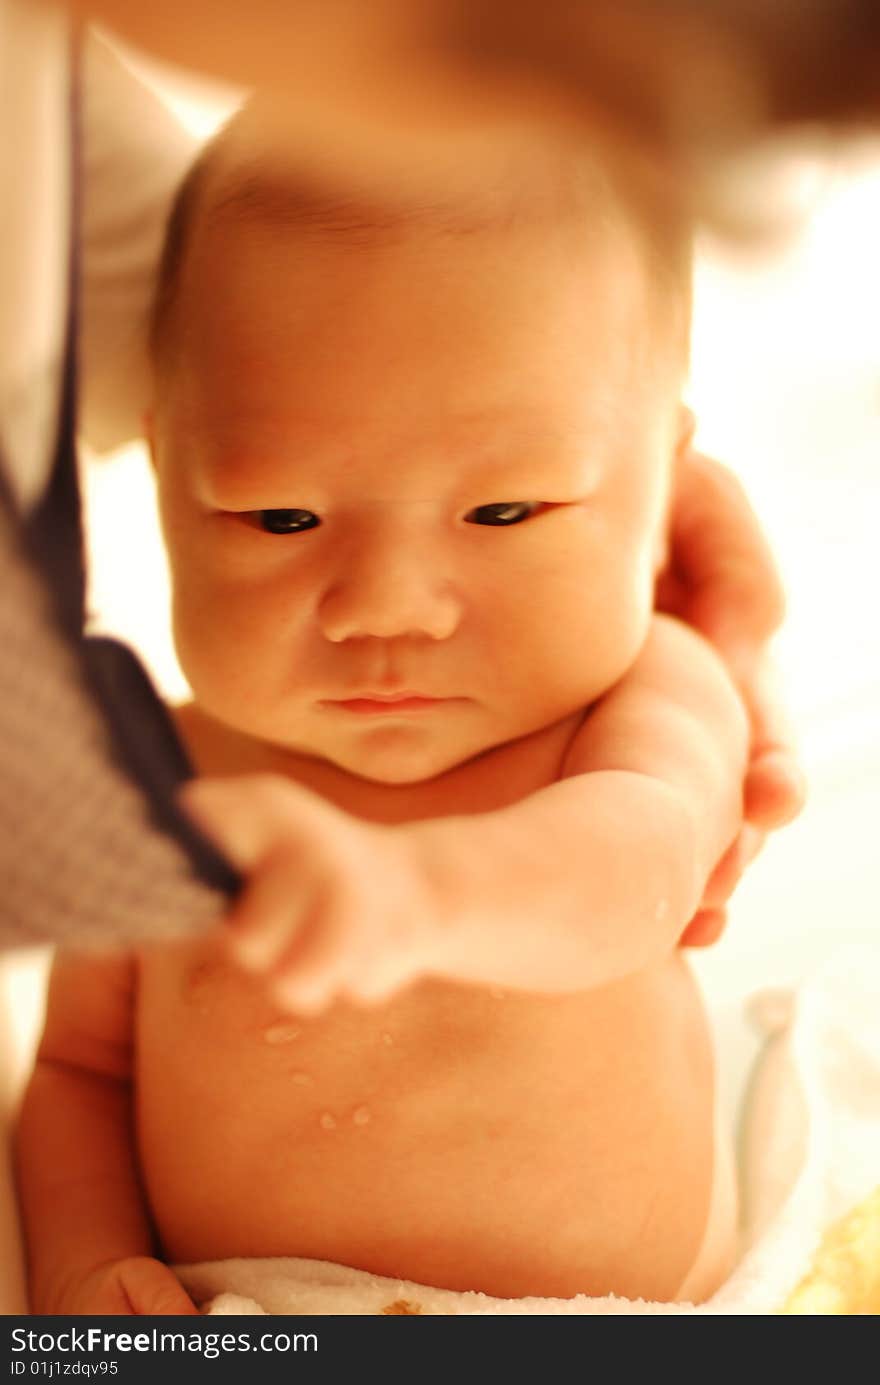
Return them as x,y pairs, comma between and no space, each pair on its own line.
810,1152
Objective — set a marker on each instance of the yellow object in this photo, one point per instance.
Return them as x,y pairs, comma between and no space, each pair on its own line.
845,1274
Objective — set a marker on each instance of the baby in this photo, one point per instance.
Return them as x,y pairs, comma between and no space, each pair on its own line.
414,464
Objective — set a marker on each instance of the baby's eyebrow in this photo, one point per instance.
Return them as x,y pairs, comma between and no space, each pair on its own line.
250,462
244,479
541,453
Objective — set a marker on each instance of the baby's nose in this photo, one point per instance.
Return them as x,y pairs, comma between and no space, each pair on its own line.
387,596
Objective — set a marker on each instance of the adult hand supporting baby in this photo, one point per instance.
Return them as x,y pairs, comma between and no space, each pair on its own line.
722,579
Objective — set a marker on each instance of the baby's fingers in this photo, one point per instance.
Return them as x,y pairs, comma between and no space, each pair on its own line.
350,956
261,920
315,969
279,836
380,977
252,817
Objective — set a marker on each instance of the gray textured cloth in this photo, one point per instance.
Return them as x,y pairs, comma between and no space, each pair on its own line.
82,859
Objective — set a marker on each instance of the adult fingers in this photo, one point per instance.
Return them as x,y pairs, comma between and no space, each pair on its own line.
722,579
723,575
775,787
704,929
730,869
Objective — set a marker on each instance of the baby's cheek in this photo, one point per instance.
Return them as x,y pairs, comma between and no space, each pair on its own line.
599,626
220,637
634,603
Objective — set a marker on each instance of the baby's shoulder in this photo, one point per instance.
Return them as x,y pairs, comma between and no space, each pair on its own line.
515,769
676,693
678,664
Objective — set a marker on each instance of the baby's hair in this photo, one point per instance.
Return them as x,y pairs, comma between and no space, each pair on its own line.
593,183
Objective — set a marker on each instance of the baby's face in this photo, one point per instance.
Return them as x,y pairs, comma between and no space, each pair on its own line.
413,492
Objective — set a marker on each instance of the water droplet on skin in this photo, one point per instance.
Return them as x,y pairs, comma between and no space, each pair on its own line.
361,1116
388,1039
283,1033
327,1122
301,1079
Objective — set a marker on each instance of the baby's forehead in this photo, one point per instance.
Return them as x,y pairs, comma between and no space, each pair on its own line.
249,188
253,180
260,228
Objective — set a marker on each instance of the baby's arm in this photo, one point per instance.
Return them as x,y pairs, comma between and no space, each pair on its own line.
585,881
87,1232
597,875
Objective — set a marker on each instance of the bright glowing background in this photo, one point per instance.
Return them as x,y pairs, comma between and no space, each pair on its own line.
786,385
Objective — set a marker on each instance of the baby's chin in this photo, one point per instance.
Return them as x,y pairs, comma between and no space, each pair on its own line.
398,764
383,753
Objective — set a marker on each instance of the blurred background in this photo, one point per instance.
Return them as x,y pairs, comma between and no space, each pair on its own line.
786,386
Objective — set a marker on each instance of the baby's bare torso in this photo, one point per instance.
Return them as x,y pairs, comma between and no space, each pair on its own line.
471,1138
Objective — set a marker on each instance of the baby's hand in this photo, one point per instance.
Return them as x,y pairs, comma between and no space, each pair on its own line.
138,1286
333,908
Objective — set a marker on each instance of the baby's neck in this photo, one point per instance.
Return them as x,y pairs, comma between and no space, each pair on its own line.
505,774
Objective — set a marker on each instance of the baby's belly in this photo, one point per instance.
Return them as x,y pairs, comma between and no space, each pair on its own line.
468,1139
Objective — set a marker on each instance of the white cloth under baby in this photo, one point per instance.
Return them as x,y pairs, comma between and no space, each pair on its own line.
810,1150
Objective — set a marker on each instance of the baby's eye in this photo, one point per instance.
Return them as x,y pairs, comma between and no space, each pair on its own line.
286,521
504,512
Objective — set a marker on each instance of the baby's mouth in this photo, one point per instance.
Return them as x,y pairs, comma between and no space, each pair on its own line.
378,704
